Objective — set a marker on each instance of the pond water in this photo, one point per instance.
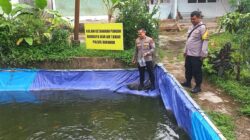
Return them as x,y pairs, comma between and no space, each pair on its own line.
88,115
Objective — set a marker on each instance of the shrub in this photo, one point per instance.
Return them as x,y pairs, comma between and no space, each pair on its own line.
134,15
238,24
60,36
29,34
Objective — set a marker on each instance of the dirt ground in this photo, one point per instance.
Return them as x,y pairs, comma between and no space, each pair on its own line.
211,98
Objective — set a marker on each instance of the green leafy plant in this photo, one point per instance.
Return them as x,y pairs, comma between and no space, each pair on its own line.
6,6
134,15
238,24
41,4
60,37
27,32
245,110
239,90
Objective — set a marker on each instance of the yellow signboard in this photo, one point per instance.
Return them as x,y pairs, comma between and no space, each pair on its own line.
104,36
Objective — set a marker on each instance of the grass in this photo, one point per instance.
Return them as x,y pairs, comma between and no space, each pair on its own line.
224,123
159,54
241,93
239,90
180,57
216,41
169,54
125,56
23,55
178,54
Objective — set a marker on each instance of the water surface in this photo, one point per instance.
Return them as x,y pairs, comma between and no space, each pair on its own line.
88,115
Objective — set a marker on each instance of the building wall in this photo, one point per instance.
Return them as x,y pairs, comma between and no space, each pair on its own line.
87,7
209,10
31,2
14,1
165,8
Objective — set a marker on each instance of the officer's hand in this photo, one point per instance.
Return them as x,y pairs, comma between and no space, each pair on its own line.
133,61
145,54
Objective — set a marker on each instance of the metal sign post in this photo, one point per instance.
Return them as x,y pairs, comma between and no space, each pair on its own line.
76,24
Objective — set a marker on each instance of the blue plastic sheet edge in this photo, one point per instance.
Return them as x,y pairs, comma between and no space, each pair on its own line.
188,114
16,80
202,129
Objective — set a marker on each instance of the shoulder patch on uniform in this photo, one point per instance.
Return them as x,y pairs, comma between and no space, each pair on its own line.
205,35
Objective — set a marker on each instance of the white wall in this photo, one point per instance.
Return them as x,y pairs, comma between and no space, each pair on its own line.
164,10
209,10
14,1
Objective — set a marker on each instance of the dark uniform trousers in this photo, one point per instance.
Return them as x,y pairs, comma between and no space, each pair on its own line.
193,66
150,68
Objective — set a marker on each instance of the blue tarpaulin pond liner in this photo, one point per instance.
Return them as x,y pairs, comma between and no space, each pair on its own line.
20,85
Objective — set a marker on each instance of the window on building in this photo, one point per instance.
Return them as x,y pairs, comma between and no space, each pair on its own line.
153,1
192,1
211,0
165,1
201,1
159,1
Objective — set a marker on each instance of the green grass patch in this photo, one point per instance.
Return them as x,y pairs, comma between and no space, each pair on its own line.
224,123
245,110
169,54
240,92
180,57
174,56
218,40
23,55
125,56
159,54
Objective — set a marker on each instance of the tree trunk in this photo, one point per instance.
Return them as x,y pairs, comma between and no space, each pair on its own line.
109,17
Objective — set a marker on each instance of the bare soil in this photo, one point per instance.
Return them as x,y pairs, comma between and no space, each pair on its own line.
211,98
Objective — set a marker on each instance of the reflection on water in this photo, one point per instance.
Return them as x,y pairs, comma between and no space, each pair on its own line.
87,115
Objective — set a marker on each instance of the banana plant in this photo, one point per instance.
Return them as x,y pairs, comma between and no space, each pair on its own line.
19,15
111,6
6,6
22,9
